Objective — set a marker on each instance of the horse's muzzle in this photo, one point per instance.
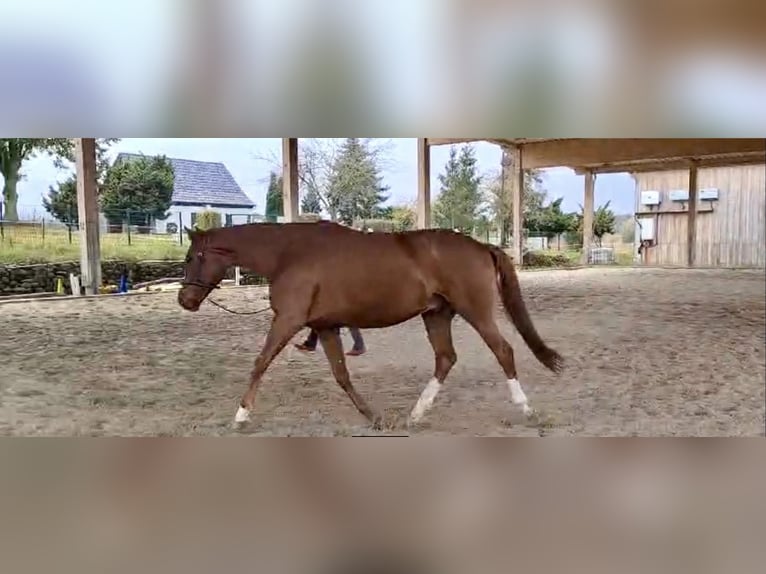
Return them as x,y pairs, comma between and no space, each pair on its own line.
188,300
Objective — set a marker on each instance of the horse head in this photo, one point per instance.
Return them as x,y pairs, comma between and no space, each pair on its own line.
204,268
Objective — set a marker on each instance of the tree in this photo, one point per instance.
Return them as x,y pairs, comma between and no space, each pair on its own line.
274,198
61,202
551,221
15,151
483,227
404,217
459,203
311,202
384,212
318,159
499,199
603,223
137,190
208,219
355,187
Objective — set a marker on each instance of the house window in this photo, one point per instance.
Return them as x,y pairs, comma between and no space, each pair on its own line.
193,219
229,220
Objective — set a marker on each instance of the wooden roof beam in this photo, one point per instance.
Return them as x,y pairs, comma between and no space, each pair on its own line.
450,141
678,163
604,152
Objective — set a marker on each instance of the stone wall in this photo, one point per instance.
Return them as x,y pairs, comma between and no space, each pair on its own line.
18,279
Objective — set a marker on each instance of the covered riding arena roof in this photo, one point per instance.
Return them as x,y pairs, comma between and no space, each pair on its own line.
610,155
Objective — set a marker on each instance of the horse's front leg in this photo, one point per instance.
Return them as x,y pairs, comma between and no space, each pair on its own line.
284,327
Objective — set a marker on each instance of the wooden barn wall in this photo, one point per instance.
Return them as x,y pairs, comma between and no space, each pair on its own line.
732,235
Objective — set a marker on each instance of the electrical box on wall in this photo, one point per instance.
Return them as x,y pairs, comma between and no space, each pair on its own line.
646,224
708,194
650,198
679,195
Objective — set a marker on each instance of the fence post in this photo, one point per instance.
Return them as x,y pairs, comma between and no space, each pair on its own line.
127,215
180,229
43,220
70,219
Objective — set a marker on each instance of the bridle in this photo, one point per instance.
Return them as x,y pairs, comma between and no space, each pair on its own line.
209,286
212,286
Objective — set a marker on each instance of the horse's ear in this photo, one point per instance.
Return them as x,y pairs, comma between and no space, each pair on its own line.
189,232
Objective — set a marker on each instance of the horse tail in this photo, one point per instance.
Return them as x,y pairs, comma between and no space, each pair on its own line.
510,293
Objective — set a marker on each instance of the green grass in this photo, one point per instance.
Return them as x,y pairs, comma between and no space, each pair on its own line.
27,245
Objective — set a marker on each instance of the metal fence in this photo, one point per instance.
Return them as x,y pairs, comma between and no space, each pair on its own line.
37,238
128,223
564,249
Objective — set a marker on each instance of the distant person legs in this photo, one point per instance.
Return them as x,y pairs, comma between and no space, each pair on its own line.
358,348
310,344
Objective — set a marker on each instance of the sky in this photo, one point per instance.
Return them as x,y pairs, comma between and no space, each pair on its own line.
243,158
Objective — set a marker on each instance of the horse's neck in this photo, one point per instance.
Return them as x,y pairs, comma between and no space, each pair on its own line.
257,248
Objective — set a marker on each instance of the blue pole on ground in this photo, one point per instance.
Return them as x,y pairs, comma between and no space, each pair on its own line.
123,283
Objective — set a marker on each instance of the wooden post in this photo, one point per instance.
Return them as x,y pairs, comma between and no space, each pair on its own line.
517,204
87,209
290,178
74,285
691,222
424,184
587,216
237,276
506,187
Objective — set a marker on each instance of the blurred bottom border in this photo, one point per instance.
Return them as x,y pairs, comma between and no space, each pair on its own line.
344,505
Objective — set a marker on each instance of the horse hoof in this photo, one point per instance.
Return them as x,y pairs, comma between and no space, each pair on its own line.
242,416
377,423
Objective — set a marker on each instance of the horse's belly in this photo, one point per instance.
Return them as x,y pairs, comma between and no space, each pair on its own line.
387,303
380,320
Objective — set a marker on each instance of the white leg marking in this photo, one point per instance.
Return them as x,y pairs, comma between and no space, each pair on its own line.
426,400
518,397
242,416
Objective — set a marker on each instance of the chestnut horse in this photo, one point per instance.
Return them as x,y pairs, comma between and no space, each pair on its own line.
323,275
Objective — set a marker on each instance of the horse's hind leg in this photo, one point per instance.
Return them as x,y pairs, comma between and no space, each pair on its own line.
484,324
439,328
333,348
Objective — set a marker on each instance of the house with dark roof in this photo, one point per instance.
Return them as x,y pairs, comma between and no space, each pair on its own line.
202,186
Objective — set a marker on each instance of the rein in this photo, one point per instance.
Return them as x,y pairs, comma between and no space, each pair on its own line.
220,306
